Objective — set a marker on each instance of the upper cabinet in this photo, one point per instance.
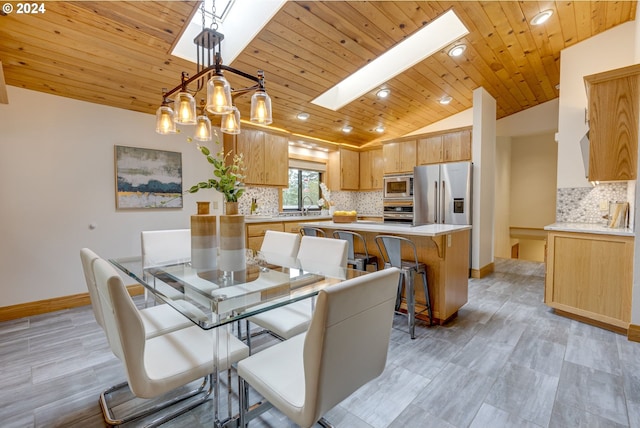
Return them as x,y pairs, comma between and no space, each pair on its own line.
344,170
266,157
449,146
613,109
399,156
371,166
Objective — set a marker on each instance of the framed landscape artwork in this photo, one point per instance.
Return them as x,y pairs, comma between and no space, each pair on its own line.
147,178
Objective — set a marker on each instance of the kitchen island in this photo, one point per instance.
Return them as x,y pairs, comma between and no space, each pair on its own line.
443,248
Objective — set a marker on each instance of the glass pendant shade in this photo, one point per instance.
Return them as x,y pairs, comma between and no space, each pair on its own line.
261,108
186,108
231,122
165,122
218,95
203,129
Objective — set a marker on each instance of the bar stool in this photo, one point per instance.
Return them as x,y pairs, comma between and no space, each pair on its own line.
390,248
359,260
312,231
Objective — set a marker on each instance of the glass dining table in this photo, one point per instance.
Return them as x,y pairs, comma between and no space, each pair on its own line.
216,299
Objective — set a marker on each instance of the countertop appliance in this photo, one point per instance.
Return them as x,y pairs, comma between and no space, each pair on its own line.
442,193
397,187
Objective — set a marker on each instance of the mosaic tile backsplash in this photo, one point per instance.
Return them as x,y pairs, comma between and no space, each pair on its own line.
582,204
366,203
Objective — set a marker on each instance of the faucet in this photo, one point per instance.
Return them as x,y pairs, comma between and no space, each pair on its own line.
305,211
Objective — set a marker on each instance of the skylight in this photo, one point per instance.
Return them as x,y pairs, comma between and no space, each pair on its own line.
439,33
239,21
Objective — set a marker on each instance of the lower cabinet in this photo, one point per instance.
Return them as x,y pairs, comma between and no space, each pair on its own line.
255,233
590,276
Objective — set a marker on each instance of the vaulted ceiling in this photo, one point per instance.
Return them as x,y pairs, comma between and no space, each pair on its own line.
117,53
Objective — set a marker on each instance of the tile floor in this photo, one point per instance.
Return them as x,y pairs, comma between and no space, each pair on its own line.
506,361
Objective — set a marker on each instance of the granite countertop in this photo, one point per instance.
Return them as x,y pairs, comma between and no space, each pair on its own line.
589,228
395,228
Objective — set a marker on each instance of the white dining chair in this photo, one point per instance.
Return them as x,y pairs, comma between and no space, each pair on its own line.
157,319
164,247
293,319
156,366
345,347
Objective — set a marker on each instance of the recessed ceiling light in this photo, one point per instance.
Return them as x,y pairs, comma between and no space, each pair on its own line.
457,50
303,116
542,17
383,93
380,129
347,128
445,100
431,38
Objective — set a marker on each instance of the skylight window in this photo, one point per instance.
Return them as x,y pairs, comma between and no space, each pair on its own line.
439,33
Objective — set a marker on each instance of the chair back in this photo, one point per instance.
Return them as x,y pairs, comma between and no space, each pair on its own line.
330,252
312,231
123,325
88,257
161,247
390,248
347,342
283,243
351,237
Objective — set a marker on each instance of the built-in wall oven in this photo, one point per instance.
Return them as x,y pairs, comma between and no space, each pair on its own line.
398,212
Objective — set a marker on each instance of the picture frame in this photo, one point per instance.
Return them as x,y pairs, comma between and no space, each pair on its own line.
147,178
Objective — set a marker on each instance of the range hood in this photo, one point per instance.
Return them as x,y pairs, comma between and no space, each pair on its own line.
584,147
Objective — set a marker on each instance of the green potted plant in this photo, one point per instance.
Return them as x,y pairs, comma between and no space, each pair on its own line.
227,177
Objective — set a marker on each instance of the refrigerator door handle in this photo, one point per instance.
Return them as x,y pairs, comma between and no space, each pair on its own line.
435,202
442,204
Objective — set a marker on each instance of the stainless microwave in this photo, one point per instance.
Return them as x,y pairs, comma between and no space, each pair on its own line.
398,186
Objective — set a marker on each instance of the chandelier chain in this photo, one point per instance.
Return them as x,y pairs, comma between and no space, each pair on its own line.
214,22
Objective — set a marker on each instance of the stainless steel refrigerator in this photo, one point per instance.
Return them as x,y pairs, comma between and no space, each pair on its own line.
442,193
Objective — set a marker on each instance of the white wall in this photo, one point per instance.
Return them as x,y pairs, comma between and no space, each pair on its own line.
483,155
502,244
606,51
57,177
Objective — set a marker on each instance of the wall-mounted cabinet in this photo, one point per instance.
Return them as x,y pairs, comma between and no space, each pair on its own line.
371,166
613,108
344,170
266,157
449,146
399,156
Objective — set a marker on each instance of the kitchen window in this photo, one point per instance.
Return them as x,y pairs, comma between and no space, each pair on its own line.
303,190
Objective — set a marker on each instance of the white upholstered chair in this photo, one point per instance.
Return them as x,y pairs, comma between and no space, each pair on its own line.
157,320
158,365
163,247
345,347
293,319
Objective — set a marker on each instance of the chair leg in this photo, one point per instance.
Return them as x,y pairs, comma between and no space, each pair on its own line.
110,419
243,398
325,423
399,294
411,304
426,295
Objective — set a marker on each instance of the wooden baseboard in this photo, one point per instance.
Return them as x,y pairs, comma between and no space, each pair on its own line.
39,307
633,333
590,321
483,271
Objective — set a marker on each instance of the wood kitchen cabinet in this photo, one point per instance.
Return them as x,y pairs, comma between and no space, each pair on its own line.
448,146
255,233
371,166
399,156
590,276
344,170
266,157
613,108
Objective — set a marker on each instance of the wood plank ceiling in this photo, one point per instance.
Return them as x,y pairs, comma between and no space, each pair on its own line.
117,53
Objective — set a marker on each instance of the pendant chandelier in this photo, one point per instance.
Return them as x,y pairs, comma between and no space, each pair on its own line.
220,95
